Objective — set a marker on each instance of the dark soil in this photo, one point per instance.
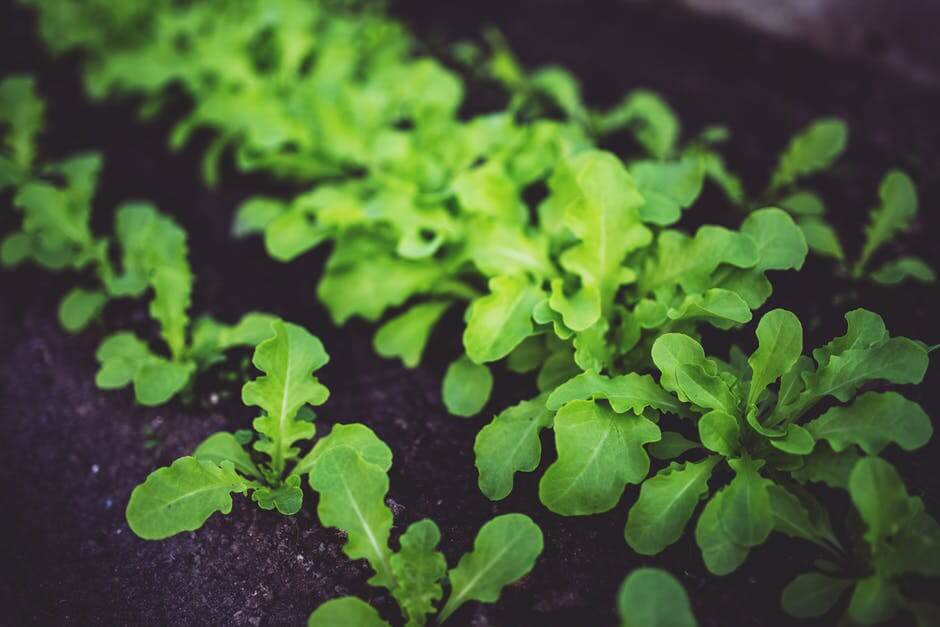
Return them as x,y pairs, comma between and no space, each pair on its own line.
70,454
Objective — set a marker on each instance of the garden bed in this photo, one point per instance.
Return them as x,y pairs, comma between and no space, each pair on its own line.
70,454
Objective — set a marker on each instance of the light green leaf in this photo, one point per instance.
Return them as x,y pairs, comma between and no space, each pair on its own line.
406,335
796,441
418,568
224,447
79,308
501,320
255,214
705,390
599,452
358,437
897,271
629,392
780,242
720,307
181,497
158,380
466,387
652,122
668,187
719,431
720,553
872,421
821,238
812,595
779,345
671,446
804,203
504,550
745,513
898,207
651,597
172,290
510,444
288,360
346,612
286,498
601,209
352,499
666,503
671,351
121,355
811,150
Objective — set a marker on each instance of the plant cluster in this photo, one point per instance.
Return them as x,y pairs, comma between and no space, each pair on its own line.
568,261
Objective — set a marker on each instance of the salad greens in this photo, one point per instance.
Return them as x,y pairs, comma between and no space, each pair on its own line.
182,496
352,489
568,262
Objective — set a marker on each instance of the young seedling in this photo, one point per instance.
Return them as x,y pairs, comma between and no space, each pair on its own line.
352,491
182,496
814,150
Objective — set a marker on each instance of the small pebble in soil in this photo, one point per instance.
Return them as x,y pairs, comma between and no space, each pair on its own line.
94,469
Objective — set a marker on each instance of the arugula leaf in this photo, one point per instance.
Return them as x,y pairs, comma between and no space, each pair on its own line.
354,436
650,119
601,209
346,612
418,568
504,550
898,207
872,421
899,270
466,387
629,392
288,360
510,444
722,555
651,597
181,497
811,150
352,498
745,512
599,452
667,502
499,322
780,344
79,307
406,335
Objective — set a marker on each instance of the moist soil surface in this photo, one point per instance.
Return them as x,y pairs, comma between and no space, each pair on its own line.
70,454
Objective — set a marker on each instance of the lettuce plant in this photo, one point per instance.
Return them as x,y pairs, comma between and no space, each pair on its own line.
155,258
182,496
352,491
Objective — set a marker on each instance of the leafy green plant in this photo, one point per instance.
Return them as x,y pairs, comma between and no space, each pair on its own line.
155,257
651,597
814,150
352,498
896,539
772,440
182,496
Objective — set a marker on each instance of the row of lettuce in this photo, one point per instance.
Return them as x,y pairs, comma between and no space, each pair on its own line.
591,287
